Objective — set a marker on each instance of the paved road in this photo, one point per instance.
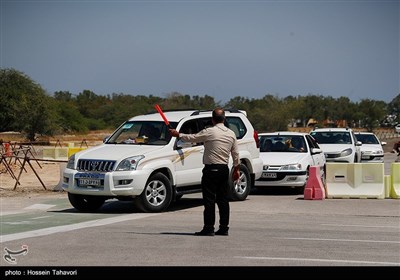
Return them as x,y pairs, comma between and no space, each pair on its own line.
273,227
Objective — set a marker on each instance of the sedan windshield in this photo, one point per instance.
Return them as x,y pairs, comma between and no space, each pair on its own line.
282,143
332,137
367,138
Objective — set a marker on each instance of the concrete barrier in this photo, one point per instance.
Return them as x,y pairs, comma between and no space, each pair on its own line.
55,153
388,185
355,180
72,151
395,180
58,187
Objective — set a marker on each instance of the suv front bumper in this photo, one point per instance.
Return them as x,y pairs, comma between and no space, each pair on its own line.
112,184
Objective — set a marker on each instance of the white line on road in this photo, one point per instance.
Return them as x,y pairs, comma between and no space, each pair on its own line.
340,240
39,207
94,223
42,217
340,225
319,260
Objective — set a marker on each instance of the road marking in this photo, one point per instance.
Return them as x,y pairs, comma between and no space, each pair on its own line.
39,207
340,240
319,260
42,217
65,228
18,223
339,225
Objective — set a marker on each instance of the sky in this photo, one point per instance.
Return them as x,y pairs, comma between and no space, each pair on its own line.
222,48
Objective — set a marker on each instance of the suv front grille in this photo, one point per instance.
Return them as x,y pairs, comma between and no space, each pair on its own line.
95,165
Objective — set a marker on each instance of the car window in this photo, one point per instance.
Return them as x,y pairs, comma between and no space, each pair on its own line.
236,125
367,138
282,143
332,137
191,127
312,142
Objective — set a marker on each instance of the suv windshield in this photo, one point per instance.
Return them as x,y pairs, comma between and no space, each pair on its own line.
142,133
332,137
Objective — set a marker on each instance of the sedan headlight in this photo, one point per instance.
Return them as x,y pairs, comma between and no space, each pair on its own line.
346,152
129,163
377,153
71,162
292,167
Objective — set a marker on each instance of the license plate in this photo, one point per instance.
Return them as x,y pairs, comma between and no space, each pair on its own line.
365,157
89,182
269,175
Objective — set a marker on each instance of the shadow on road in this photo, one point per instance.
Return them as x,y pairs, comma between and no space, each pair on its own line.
114,206
277,190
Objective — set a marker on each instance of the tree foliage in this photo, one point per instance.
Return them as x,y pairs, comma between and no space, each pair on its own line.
26,107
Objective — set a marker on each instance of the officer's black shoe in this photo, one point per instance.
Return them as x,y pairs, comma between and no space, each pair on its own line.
205,232
222,231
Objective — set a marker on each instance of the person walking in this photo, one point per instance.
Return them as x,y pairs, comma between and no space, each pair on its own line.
396,148
219,143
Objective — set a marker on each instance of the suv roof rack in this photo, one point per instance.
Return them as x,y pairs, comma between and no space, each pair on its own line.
197,111
231,110
172,110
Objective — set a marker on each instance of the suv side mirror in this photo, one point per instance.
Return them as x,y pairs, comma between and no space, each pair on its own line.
358,143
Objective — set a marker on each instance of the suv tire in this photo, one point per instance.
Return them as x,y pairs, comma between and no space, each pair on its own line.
240,191
86,203
157,194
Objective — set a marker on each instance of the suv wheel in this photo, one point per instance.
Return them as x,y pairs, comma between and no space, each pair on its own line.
241,190
157,194
86,203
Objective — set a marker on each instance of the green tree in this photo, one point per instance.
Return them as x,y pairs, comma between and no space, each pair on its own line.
372,112
394,107
267,114
24,105
69,119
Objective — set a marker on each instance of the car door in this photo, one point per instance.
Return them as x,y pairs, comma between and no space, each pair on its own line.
189,162
318,158
357,146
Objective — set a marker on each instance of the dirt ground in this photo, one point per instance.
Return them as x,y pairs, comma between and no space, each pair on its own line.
50,174
30,185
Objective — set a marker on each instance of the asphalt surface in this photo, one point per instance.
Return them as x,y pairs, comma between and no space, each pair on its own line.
274,227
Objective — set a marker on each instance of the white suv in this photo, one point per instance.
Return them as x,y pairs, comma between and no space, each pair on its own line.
140,161
338,144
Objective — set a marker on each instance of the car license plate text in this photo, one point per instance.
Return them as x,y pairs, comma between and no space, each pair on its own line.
89,182
269,175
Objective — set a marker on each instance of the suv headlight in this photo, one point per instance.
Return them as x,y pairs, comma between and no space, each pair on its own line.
346,152
71,162
129,163
292,167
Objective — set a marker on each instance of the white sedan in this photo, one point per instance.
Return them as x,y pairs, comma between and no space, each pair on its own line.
371,149
287,157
